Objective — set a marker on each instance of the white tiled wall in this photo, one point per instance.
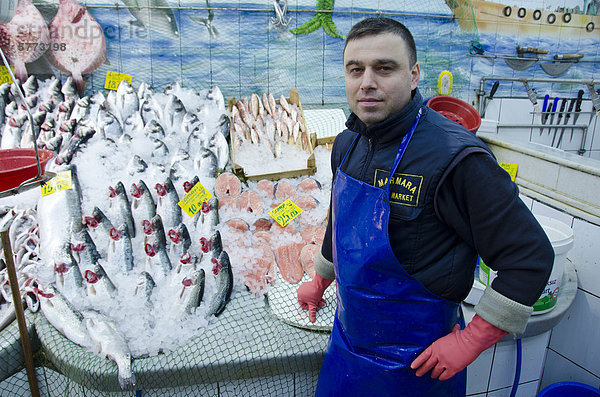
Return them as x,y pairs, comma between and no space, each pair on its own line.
574,347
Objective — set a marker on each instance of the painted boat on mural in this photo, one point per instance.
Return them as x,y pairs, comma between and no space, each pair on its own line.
490,17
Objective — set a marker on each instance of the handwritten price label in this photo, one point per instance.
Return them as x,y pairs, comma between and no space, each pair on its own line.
113,79
285,212
511,168
62,181
4,75
191,203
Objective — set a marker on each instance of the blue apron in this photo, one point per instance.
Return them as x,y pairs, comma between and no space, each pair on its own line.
385,318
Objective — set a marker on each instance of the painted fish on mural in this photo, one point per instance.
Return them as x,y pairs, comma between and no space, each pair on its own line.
77,42
153,14
25,38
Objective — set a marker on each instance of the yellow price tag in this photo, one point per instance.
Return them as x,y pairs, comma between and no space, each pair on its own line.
62,181
285,212
511,168
4,75
191,203
113,79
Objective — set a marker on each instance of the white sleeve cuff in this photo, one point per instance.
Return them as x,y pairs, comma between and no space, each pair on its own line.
504,313
324,268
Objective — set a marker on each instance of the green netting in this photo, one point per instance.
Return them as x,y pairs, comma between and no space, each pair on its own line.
11,352
245,351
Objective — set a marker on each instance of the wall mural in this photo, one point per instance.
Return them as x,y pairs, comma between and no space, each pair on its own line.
273,45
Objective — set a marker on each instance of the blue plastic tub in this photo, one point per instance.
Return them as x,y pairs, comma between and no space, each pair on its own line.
570,389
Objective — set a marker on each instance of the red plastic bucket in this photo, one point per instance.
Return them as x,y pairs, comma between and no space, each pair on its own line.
19,165
457,111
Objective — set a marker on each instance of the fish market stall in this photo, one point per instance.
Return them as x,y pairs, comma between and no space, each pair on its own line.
148,262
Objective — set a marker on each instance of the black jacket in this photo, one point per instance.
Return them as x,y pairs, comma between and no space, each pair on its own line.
450,201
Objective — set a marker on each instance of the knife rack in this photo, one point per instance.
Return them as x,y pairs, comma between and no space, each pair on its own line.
589,84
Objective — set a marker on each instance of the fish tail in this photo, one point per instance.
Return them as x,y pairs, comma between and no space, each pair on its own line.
20,71
79,83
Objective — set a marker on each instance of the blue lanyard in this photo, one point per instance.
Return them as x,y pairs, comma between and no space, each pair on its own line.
403,145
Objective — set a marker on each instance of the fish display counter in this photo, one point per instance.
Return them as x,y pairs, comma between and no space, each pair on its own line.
150,261
246,342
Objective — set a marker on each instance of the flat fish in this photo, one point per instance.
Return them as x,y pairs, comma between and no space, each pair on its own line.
77,42
25,38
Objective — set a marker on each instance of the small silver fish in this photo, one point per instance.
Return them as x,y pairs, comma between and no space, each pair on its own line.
121,207
127,100
136,165
142,203
99,285
120,251
224,280
144,286
191,292
167,206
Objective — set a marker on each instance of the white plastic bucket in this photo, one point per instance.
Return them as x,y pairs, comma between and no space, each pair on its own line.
561,238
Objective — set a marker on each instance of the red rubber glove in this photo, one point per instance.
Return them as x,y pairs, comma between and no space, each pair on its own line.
452,353
310,295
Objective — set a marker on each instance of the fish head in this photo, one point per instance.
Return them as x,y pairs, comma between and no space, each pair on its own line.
217,267
115,234
135,191
61,268
79,247
185,258
175,236
147,227
188,281
150,249
48,292
161,190
204,244
91,277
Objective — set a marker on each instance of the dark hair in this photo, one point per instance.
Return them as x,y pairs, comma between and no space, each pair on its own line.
380,25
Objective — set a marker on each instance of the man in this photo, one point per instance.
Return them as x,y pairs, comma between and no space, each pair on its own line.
415,198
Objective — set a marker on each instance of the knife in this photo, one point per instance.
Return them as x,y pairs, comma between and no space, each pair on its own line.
544,114
563,105
577,109
489,98
567,117
553,112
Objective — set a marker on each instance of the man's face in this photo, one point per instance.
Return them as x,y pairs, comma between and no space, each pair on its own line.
379,77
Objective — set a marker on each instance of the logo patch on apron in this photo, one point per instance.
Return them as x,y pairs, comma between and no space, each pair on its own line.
404,188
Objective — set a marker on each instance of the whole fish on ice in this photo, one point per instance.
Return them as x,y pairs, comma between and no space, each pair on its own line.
63,316
59,216
77,42
110,342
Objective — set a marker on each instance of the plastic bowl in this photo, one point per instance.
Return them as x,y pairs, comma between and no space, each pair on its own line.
571,389
19,165
456,110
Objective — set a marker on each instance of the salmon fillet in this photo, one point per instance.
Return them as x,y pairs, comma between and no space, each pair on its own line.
288,262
